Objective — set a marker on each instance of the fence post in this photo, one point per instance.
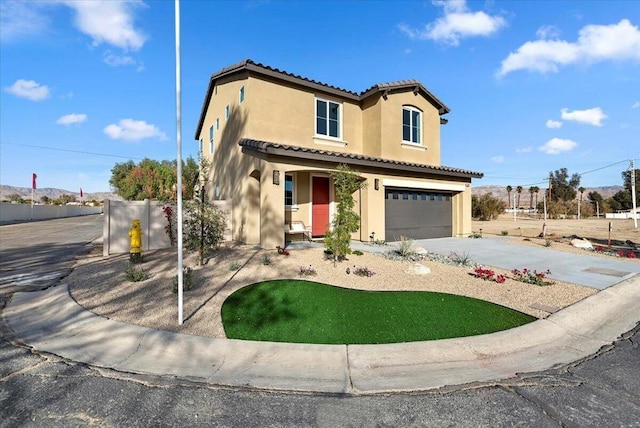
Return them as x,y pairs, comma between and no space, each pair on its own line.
106,227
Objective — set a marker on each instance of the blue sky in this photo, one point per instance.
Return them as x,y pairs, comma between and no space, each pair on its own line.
533,86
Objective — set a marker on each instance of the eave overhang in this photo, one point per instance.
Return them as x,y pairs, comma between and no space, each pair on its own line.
297,152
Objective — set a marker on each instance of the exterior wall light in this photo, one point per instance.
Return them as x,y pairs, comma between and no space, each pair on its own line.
376,183
276,177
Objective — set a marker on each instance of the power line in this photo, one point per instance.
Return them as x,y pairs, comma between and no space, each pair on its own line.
604,167
72,151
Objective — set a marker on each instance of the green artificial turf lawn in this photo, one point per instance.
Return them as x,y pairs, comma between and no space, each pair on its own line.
299,311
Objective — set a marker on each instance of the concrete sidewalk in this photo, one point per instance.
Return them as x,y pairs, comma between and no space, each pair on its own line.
51,321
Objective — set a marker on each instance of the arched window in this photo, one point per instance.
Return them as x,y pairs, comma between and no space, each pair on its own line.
411,125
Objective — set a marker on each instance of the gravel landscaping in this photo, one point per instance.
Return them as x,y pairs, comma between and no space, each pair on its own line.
98,283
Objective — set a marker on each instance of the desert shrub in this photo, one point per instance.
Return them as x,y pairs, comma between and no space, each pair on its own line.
357,252
235,265
461,259
187,280
307,271
529,277
266,259
475,235
486,207
135,273
504,232
363,271
405,247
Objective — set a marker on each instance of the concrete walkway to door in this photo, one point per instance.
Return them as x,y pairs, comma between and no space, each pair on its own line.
583,269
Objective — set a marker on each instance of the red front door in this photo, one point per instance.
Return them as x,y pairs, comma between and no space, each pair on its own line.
319,206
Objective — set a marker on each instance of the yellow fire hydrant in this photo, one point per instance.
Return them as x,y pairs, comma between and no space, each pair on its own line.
135,233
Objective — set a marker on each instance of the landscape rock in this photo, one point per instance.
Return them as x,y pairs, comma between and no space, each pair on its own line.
418,269
582,243
419,250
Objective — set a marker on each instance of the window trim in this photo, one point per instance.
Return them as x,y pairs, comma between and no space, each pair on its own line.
211,147
411,110
241,95
315,119
211,133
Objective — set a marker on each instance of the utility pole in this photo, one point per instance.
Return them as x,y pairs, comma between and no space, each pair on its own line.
633,194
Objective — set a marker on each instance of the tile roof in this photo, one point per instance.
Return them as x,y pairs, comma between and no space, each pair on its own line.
252,65
357,159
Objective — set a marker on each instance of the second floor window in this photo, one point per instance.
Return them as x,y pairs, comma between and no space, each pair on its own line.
411,125
327,118
211,133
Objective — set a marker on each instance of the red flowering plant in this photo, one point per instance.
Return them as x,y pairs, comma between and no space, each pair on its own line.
488,275
282,250
168,213
529,277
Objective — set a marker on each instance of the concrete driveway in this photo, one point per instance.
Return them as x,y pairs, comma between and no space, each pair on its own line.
583,269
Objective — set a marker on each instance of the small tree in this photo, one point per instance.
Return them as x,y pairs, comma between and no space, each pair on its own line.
345,221
486,207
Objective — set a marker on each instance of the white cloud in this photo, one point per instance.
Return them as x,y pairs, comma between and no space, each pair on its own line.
553,124
19,19
458,22
596,43
548,32
28,89
71,118
109,22
592,116
497,159
636,104
557,145
524,150
133,130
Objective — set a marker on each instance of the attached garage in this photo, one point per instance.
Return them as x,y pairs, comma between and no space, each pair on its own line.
418,213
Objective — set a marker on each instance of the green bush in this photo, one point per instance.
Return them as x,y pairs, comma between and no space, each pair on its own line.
187,280
345,221
135,273
486,207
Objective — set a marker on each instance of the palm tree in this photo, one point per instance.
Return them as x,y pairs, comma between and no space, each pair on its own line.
509,189
519,190
531,191
581,190
536,189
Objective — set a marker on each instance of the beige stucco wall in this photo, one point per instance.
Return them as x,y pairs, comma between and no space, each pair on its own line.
280,113
391,130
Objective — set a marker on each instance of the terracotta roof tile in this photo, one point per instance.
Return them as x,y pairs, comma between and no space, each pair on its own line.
265,146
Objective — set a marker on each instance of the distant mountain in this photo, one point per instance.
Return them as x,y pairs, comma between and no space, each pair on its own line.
25,193
501,192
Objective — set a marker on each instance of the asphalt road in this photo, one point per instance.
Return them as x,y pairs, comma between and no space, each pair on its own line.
39,389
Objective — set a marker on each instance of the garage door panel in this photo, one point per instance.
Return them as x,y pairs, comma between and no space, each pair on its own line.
417,214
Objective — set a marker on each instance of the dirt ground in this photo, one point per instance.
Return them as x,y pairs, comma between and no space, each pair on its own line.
623,234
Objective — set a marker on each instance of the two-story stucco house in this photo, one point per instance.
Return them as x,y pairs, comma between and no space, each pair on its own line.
274,137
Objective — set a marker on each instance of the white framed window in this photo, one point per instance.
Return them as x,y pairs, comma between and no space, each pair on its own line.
211,133
217,123
289,190
211,146
328,118
241,95
226,112
200,146
411,125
